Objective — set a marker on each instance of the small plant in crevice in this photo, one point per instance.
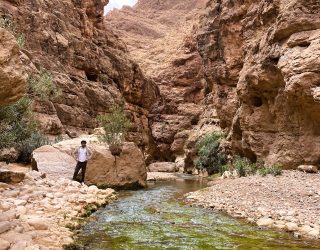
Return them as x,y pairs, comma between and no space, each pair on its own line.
116,125
42,86
210,155
9,25
21,40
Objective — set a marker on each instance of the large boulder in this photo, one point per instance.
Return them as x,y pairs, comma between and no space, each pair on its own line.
104,170
163,167
12,73
54,162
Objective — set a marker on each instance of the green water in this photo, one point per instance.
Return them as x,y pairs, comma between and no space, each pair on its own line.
156,218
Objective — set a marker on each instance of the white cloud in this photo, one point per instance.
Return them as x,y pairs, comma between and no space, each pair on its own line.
118,4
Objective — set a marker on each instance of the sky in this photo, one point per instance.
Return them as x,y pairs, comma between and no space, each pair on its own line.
118,4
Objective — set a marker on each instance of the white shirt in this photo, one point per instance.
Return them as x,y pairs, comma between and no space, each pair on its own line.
83,156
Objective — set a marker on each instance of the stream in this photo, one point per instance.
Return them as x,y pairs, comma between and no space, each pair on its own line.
157,218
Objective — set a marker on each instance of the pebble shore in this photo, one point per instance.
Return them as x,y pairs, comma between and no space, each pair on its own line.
39,214
289,202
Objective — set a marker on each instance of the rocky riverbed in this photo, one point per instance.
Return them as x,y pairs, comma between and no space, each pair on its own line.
38,212
289,202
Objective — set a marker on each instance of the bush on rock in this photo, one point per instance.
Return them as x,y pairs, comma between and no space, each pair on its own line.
115,125
210,155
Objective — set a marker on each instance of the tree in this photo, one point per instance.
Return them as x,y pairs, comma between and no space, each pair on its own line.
116,125
210,156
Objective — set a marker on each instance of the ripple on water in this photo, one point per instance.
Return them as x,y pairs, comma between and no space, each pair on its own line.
156,218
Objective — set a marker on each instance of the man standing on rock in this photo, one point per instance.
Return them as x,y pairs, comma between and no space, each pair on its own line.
82,155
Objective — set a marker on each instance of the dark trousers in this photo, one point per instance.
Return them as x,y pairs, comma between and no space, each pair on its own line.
82,166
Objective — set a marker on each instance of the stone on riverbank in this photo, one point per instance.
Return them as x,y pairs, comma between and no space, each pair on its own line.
265,222
288,202
169,167
159,176
126,171
308,168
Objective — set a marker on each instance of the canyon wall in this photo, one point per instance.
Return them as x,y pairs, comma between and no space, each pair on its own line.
262,62
88,62
182,68
161,37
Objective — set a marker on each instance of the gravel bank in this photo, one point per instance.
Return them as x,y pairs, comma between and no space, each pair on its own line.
288,202
37,213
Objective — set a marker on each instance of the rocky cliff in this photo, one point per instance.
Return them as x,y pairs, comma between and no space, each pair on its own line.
161,37
262,62
89,64
12,73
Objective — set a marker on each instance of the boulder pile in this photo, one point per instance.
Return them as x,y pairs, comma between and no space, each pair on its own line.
38,212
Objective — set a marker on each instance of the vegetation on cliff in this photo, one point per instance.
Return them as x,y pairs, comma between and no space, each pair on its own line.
213,159
18,126
9,25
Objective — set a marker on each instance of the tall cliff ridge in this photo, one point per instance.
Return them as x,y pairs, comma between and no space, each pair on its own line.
161,37
262,62
89,64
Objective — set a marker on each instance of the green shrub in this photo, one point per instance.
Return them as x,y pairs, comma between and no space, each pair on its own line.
210,157
116,125
26,147
7,24
18,129
263,171
224,168
241,165
245,167
58,139
274,170
21,40
42,86
16,123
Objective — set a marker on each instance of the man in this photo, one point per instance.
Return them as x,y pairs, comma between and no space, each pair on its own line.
82,155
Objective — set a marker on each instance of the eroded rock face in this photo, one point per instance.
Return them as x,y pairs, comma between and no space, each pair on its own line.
161,37
261,59
89,64
103,169
12,73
